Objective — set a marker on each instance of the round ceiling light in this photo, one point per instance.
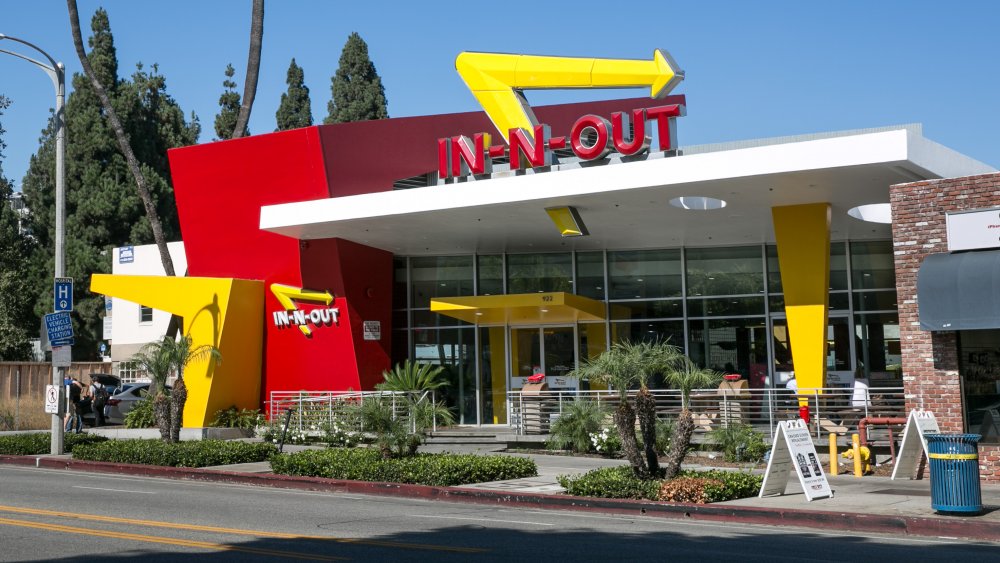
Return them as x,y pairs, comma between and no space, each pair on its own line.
872,213
697,202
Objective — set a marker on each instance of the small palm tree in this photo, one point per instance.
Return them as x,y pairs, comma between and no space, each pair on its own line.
625,366
161,358
685,376
412,376
576,423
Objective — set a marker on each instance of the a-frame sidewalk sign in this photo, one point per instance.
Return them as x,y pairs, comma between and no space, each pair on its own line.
793,448
914,443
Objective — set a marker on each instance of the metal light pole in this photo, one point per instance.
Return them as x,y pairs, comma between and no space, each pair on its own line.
57,72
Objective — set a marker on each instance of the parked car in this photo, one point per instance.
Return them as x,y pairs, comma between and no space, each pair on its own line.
111,382
122,402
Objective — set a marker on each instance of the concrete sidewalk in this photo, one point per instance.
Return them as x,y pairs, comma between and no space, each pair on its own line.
865,505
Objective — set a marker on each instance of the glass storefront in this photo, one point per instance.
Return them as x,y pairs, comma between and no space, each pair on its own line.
979,367
722,306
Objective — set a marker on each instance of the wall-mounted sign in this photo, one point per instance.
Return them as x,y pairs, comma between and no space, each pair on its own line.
372,330
126,255
591,138
306,320
973,229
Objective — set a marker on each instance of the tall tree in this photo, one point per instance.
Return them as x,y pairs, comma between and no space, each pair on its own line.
358,94
296,109
229,108
253,69
15,296
103,208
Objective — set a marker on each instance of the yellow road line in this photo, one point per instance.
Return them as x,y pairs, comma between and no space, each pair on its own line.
234,531
169,541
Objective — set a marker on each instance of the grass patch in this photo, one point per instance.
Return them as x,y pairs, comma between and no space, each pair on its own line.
364,464
203,453
26,413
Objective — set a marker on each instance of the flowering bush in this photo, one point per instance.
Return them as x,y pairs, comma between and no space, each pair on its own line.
606,442
339,435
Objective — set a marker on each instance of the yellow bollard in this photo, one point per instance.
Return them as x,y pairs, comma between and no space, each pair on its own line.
856,445
834,464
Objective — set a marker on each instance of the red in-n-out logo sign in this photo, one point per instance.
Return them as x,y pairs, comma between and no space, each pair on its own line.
592,137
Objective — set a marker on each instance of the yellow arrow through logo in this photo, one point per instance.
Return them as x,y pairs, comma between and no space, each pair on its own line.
287,295
496,80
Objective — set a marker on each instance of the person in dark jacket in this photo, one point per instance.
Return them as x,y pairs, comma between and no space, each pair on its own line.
77,391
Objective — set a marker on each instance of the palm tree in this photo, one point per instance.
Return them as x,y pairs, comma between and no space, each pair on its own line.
685,376
253,67
161,358
624,366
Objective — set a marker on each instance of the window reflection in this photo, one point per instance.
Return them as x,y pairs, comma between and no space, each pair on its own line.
534,273
724,271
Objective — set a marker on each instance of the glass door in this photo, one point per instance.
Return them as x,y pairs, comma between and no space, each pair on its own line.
550,350
839,352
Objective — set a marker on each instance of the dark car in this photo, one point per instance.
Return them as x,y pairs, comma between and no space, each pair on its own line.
111,382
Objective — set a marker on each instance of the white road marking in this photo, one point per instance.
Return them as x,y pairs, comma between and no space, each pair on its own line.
114,490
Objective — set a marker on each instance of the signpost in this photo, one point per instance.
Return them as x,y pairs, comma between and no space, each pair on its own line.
59,328
793,447
914,443
62,295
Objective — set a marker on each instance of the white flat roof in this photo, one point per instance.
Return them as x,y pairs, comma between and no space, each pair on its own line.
625,204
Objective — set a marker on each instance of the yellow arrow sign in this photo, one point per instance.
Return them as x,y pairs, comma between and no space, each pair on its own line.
496,80
287,295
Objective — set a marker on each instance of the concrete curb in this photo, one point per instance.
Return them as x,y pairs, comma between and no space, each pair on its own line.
962,527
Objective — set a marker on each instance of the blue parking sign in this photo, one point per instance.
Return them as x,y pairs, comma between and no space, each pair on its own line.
59,328
63,295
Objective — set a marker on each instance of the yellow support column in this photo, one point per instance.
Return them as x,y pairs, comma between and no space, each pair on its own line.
224,312
803,236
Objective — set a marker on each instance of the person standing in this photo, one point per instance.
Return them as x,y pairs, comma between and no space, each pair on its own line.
99,398
75,416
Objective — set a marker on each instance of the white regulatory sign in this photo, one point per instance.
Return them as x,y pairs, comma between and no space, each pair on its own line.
52,399
372,330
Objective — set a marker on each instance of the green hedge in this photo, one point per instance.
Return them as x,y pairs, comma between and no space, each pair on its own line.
363,464
621,482
40,443
201,453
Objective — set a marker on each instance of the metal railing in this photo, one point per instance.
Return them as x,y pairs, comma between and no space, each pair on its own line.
831,410
314,411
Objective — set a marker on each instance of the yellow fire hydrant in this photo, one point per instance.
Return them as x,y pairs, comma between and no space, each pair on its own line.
866,458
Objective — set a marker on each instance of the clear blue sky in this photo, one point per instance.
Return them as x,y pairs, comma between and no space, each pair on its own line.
754,69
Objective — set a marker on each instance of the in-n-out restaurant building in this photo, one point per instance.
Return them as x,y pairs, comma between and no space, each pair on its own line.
320,256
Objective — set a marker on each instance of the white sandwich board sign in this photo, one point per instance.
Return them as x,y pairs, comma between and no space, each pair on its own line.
793,448
914,443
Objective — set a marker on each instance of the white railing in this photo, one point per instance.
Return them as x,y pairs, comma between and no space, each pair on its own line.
830,410
313,411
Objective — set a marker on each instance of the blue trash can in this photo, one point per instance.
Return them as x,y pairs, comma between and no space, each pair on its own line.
954,466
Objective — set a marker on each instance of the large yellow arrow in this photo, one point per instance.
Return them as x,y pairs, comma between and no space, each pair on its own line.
287,295
496,80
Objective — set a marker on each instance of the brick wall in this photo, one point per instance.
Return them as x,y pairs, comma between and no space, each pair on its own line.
930,359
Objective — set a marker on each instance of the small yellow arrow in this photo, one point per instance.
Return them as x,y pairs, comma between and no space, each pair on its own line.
287,295
496,80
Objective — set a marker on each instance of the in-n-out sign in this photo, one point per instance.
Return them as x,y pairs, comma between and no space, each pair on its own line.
592,137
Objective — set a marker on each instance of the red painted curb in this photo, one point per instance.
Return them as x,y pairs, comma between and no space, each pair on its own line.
966,527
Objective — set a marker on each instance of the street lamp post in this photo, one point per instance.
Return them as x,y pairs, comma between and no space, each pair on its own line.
57,72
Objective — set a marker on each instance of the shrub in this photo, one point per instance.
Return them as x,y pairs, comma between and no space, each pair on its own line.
739,443
664,433
578,420
141,415
610,482
337,434
687,489
246,420
202,453
40,443
424,469
607,442
730,485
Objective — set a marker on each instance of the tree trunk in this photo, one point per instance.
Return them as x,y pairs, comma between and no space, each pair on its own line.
645,406
679,444
253,68
177,399
625,422
123,143
161,411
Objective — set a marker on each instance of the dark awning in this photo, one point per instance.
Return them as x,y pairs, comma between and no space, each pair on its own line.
960,291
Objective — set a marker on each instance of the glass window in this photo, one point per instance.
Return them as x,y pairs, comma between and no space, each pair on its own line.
979,366
400,346
838,268
590,274
839,301
145,314
454,350
640,274
875,301
726,306
731,346
878,352
439,276
425,318
724,271
872,265
654,309
490,274
539,273
671,332
399,283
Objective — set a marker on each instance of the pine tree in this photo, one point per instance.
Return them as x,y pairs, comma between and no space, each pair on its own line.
358,94
103,209
15,297
229,108
296,109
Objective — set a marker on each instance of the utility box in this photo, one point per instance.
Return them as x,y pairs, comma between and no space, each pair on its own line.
534,415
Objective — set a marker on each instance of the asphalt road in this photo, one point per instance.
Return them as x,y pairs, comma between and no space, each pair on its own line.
57,515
